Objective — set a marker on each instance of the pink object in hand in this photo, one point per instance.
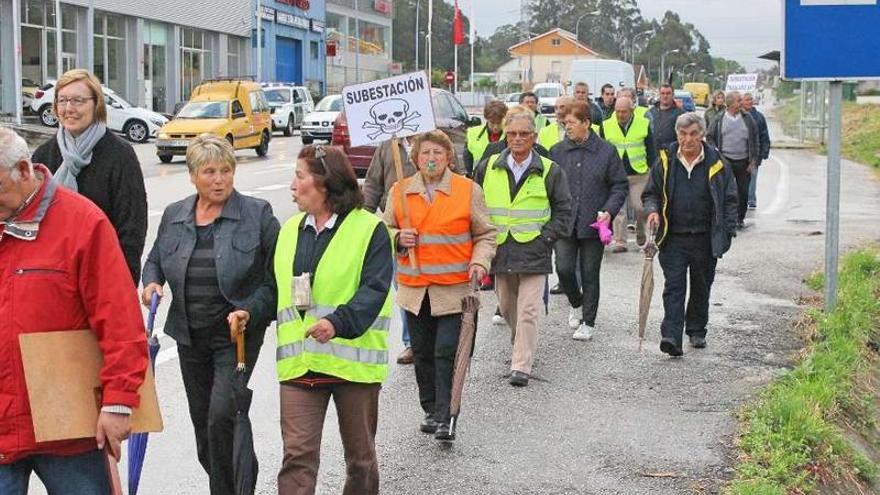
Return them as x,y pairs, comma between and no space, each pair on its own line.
605,234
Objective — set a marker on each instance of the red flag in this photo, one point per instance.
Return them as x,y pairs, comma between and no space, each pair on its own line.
457,27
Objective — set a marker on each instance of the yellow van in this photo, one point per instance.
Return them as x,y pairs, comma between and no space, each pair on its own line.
233,109
700,92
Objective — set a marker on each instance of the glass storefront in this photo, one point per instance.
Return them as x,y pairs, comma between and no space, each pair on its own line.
375,39
109,48
38,61
155,42
195,59
236,61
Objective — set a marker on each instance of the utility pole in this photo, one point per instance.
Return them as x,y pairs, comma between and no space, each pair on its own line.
428,39
259,40
58,37
357,43
16,64
418,7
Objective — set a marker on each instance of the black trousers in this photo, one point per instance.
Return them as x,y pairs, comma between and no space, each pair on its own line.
586,254
208,369
743,178
434,342
681,255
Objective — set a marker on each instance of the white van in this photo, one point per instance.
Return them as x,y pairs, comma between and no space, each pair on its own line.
547,94
597,73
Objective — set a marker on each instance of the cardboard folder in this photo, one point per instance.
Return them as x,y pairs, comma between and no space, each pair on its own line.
61,371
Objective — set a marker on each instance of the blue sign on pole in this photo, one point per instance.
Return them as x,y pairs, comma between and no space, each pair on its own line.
830,39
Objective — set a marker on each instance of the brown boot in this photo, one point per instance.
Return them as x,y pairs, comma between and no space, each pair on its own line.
406,357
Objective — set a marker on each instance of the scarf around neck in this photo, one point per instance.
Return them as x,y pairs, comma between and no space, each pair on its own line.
76,153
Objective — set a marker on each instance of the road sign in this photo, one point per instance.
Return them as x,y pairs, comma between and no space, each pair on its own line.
395,107
741,82
450,77
830,39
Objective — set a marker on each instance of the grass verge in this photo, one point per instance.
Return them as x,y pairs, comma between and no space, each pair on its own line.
794,437
860,129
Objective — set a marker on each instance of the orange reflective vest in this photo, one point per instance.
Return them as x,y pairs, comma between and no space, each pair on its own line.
444,247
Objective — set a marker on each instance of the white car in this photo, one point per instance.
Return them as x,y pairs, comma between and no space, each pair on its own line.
138,124
512,100
289,105
319,124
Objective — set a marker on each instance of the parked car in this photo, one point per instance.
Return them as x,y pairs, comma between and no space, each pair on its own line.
449,115
547,94
686,99
137,124
230,108
511,100
700,92
319,124
288,105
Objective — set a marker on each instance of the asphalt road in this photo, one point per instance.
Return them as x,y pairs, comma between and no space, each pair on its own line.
599,417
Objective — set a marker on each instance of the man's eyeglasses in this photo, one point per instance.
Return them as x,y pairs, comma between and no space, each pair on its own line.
519,134
75,102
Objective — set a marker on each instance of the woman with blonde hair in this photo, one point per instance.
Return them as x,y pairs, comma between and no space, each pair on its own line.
454,243
87,158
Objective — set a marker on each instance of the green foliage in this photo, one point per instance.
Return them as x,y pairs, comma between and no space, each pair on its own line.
790,440
816,281
404,26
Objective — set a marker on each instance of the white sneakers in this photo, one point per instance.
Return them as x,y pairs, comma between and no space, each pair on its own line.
497,319
574,317
583,332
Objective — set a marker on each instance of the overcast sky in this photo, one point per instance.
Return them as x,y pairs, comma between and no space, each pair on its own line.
736,29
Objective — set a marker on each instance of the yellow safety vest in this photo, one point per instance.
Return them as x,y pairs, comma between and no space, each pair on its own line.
552,134
523,216
632,144
640,111
664,164
335,282
478,141
541,121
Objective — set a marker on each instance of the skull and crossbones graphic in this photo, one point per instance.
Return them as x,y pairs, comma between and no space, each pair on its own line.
390,117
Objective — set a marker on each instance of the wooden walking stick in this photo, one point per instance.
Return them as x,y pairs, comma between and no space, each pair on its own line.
398,170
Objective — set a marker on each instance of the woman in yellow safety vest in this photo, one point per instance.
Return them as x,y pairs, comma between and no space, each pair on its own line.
333,267
448,228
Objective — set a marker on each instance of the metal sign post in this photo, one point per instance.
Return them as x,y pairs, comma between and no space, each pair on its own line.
832,202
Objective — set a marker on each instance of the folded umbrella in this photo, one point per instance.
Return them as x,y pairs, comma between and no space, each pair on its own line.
470,306
646,291
137,443
244,458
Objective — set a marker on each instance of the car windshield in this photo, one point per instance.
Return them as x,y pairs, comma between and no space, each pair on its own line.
329,104
278,96
513,97
117,99
547,92
204,110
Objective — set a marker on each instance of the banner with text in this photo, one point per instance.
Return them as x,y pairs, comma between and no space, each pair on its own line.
741,82
395,107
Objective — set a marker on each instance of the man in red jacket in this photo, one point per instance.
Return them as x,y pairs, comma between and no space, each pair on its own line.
61,269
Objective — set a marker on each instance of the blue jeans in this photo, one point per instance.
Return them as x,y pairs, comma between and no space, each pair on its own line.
83,474
753,187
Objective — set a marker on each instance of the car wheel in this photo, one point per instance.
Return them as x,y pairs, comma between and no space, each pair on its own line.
288,129
47,116
166,158
307,139
263,148
136,131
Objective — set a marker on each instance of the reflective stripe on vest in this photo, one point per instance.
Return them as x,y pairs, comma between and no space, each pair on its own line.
632,144
523,216
444,245
335,282
478,141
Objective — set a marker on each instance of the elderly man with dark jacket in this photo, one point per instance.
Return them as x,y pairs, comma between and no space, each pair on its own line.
598,185
735,134
691,199
61,269
530,204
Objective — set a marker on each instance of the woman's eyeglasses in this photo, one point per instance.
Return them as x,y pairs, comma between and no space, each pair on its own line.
75,102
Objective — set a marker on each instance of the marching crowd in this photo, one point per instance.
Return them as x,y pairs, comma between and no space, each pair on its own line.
525,194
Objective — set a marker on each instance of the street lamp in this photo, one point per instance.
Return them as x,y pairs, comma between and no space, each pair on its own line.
684,69
418,5
632,46
577,25
663,64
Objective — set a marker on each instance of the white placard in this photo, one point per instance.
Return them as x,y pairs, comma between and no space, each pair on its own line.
837,2
379,110
741,82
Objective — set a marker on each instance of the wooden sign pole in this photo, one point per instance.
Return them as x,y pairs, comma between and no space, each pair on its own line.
398,169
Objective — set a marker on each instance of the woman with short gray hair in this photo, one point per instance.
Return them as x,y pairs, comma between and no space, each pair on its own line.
215,250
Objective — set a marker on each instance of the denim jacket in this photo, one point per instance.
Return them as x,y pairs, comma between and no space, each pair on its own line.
244,247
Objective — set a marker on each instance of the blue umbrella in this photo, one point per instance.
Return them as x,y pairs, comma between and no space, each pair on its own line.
137,443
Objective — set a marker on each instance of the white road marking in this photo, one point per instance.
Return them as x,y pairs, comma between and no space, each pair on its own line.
273,187
154,213
250,193
805,3
780,199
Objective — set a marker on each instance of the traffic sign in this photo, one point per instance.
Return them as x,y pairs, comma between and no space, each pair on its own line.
830,39
450,77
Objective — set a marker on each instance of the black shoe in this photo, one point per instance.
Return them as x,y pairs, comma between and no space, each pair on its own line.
556,290
698,342
443,434
740,225
519,379
670,347
428,425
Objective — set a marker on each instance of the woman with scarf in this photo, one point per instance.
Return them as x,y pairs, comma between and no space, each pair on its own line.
87,158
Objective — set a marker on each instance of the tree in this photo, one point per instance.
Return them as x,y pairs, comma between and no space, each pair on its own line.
404,27
671,34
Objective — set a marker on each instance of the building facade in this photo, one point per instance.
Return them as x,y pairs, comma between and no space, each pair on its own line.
549,56
358,33
292,43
